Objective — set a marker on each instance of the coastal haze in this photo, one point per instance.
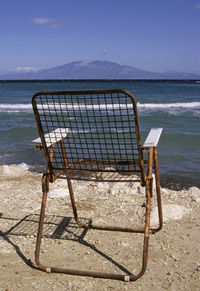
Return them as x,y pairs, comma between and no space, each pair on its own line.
95,70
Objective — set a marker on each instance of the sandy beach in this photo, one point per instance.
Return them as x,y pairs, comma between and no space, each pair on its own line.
174,252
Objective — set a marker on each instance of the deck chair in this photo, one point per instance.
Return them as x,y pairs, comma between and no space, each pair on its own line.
95,132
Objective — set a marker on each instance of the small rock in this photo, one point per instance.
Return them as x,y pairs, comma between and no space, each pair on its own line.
198,267
170,212
124,244
141,190
173,257
194,192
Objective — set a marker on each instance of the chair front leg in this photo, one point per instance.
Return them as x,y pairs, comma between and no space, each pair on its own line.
146,230
45,190
158,192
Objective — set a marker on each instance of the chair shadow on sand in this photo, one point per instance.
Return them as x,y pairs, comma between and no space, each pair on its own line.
55,227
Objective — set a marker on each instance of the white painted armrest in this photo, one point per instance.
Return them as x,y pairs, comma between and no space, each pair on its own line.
51,137
153,138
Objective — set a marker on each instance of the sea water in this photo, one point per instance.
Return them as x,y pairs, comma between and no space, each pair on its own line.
172,105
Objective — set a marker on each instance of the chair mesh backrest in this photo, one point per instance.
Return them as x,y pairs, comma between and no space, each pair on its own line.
99,129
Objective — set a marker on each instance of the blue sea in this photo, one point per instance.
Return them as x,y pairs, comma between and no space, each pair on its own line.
172,105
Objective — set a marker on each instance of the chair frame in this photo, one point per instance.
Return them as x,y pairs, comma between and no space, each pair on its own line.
51,175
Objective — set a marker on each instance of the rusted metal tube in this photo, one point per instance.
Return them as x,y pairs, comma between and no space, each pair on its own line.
45,186
126,278
71,192
111,228
150,164
157,178
64,155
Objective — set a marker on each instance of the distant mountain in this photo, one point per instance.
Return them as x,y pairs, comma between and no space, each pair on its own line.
95,70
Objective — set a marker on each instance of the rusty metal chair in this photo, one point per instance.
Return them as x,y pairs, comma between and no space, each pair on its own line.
95,132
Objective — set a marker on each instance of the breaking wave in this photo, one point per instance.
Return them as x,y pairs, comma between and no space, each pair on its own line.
186,105
19,108
15,108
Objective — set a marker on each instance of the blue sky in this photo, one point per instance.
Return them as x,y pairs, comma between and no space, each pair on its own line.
155,35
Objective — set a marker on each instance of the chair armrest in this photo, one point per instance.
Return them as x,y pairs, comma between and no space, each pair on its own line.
50,138
153,138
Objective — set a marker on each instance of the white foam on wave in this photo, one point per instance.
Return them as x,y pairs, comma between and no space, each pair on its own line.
122,106
17,108
15,169
170,105
83,107
22,165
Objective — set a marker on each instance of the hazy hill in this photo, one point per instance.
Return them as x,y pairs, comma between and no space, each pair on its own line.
95,70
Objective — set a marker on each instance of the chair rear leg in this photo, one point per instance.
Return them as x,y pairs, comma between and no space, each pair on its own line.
71,192
146,231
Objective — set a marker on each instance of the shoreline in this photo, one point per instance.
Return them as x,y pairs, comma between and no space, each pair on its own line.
167,181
